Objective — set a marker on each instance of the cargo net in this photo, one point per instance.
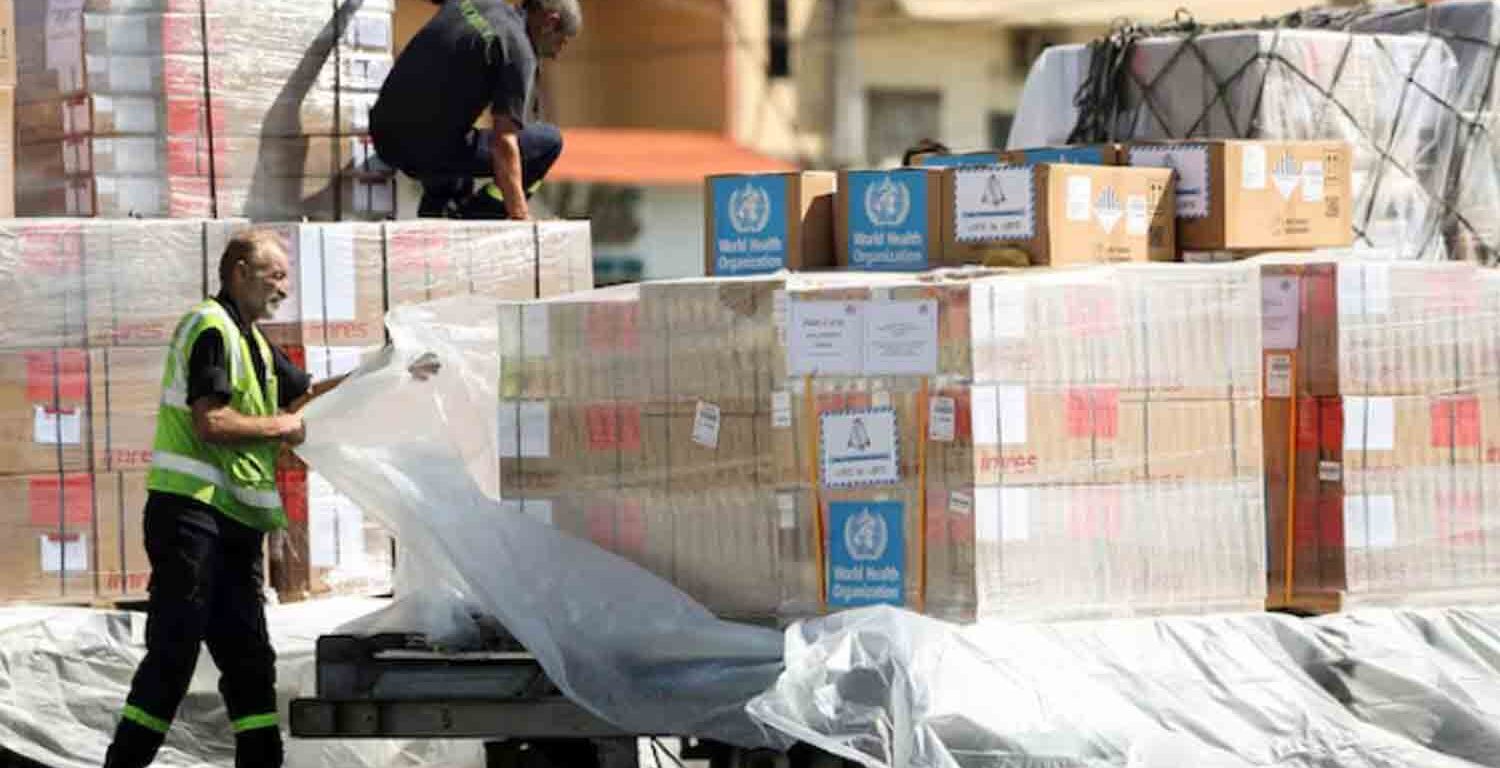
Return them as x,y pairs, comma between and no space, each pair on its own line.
1415,107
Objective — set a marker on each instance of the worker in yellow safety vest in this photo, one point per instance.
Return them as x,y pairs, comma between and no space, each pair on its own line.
230,402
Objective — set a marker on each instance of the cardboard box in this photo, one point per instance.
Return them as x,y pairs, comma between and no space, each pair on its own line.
48,544
8,157
1095,435
140,278
1081,154
709,341
1257,195
171,155
565,257
1114,550
1056,214
126,395
955,159
429,260
44,419
42,299
123,570
760,223
889,220
264,199
337,292
7,43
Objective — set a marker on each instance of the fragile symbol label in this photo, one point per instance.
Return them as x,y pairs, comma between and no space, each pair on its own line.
943,416
859,448
706,425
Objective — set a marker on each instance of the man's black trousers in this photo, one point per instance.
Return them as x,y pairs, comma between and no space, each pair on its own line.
447,167
206,581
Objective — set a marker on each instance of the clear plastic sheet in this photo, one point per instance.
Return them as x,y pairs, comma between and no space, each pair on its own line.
422,455
1472,29
64,674
205,108
1389,96
1371,689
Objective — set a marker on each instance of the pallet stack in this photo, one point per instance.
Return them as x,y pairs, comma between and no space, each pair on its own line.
89,306
201,108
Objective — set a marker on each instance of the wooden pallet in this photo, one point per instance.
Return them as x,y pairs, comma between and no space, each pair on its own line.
1308,603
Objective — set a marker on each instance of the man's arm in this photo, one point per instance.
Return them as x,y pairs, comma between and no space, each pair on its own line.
215,422
506,159
208,397
315,391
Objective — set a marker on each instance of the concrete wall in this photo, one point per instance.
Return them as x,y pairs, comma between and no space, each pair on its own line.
642,64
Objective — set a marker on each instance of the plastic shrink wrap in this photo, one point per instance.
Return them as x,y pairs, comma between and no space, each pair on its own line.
87,309
1382,409
1471,28
1389,96
208,108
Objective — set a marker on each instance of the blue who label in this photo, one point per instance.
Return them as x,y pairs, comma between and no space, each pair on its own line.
1068,155
750,224
961,159
888,220
866,553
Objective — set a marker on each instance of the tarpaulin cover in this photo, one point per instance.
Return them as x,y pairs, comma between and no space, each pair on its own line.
882,686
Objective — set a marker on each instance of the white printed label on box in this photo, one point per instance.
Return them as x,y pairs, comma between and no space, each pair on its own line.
825,338
1330,471
1002,514
942,419
1280,307
901,338
960,504
1080,192
1369,424
1286,175
999,414
994,203
1137,216
1190,161
57,426
1252,166
1109,209
66,554
1279,375
786,507
860,448
1312,181
706,425
781,410
525,429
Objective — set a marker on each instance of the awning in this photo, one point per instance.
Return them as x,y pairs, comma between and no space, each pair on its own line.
1091,12
648,157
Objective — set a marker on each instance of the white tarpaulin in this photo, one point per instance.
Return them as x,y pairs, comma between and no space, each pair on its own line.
885,687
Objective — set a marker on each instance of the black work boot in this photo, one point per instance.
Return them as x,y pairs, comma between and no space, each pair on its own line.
487,203
134,746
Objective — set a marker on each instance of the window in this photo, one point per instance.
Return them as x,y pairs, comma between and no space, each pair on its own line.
896,120
778,41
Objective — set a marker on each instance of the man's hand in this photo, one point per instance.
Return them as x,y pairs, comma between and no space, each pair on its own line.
425,366
293,430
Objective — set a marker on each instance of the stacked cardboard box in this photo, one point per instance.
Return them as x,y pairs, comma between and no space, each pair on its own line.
1381,407
1389,96
87,308
201,108
960,443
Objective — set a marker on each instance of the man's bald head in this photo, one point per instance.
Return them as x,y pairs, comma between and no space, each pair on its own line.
254,273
